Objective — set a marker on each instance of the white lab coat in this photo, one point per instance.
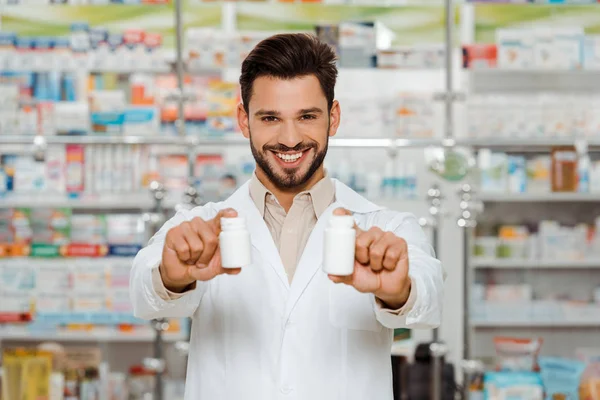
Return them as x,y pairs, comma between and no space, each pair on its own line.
256,337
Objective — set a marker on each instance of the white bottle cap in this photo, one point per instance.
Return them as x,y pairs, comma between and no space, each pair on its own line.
341,221
228,224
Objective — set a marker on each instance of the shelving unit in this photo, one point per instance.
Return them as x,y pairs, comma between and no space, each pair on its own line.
548,278
534,264
583,323
556,197
25,335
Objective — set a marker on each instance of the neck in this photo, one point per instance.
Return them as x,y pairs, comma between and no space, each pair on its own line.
285,197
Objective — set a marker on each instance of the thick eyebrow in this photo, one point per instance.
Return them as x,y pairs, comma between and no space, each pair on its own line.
267,113
313,110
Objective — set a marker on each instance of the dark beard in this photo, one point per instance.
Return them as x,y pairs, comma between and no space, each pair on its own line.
290,180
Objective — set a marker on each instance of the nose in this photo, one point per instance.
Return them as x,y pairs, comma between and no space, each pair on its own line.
289,135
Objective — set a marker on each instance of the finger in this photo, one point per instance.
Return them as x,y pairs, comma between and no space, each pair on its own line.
341,211
341,279
232,271
225,213
194,243
396,252
206,272
363,242
210,242
176,242
379,249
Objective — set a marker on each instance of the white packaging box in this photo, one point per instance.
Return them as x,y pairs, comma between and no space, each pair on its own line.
52,302
89,278
30,175
56,169
17,276
547,311
141,121
509,293
568,48
16,302
54,277
575,311
202,48
89,302
544,49
119,276
9,97
591,52
500,311
71,117
358,45
515,48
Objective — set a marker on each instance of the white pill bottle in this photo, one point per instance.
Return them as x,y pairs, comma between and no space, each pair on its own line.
234,240
340,242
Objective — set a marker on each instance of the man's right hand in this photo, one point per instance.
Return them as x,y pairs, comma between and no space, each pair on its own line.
191,253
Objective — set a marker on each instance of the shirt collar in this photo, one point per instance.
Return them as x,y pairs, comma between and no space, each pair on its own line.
322,194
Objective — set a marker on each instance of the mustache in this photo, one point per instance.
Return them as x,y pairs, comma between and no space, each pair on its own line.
281,148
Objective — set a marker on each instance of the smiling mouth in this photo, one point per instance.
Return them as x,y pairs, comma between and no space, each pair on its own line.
290,157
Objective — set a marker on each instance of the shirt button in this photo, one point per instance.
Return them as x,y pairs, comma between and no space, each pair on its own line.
286,390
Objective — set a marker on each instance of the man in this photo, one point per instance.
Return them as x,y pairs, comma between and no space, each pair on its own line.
281,328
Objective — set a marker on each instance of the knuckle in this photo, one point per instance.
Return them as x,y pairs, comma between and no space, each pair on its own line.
392,254
181,247
211,240
377,253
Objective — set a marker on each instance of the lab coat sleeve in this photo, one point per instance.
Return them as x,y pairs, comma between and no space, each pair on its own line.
147,302
425,272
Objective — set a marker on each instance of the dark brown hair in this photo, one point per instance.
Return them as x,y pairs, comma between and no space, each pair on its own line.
288,56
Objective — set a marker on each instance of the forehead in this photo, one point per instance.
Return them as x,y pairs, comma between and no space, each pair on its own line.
287,95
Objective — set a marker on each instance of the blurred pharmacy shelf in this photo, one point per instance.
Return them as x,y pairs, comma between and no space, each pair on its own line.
355,3
583,323
534,264
89,261
23,334
538,197
374,142
533,80
121,201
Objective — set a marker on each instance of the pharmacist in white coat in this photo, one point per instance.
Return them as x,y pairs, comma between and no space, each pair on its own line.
281,328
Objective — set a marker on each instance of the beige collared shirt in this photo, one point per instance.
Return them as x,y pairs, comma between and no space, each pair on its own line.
291,231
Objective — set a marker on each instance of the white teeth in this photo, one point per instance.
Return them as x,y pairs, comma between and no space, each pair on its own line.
289,157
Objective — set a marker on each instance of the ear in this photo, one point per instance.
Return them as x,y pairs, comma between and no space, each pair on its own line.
334,118
242,117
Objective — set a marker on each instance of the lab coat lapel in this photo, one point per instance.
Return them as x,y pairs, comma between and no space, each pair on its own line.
261,238
312,257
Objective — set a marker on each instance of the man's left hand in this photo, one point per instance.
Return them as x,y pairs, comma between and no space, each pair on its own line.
380,267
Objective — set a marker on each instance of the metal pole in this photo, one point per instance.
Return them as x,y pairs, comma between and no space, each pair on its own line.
438,352
466,294
449,97
179,67
435,243
158,354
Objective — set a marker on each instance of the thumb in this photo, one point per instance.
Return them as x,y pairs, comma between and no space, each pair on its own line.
341,211
225,213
